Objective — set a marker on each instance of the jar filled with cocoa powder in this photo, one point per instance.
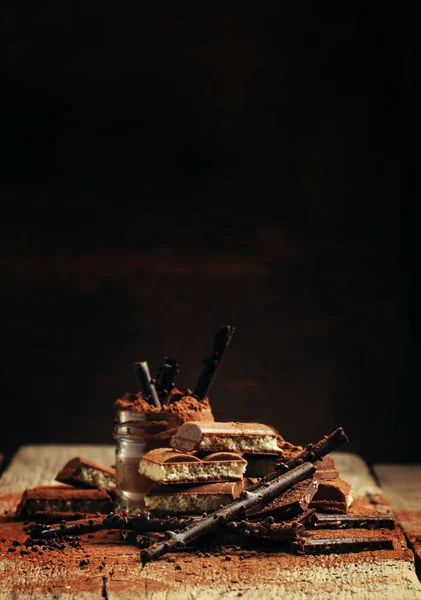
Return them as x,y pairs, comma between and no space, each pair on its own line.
140,427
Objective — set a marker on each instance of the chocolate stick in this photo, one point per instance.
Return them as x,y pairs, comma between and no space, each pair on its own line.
165,378
312,453
140,523
221,341
212,522
141,370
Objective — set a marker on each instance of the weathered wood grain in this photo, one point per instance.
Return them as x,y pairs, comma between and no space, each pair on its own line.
402,485
368,576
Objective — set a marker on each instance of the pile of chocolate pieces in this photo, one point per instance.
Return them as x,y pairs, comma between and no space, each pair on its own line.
205,494
219,484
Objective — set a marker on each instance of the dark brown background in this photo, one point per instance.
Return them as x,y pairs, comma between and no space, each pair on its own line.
166,171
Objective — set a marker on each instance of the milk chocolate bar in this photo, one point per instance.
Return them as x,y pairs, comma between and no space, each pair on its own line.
165,465
341,545
63,499
191,498
251,438
82,472
292,502
333,496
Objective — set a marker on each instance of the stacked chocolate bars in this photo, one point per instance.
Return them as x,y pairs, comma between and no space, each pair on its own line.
211,464
86,487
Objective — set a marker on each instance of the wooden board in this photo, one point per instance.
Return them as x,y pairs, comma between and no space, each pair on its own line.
402,485
114,571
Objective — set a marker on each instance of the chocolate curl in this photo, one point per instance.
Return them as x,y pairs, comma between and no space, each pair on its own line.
221,340
164,382
312,453
212,522
147,388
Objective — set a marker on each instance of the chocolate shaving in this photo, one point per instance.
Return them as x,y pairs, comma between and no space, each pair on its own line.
221,341
147,388
312,453
165,378
354,522
212,522
341,545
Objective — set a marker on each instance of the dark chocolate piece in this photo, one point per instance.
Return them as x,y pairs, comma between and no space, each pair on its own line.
267,529
341,545
212,522
63,499
259,465
147,388
165,378
354,522
294,501
333,496
82,472
221,341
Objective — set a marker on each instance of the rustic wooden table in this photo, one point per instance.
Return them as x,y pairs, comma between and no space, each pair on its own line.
119,575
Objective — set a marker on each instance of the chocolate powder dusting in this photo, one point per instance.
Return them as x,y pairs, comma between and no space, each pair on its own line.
181,404
158,426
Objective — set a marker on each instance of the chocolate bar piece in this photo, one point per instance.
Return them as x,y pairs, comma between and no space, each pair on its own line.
341,545
292,502
165,465
354,522
267,529
82,472
63,499
333,496
192,499
326,469
252,438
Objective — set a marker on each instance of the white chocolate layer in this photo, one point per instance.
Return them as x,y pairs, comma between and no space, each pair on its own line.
188,503
96,479
262,443
194,471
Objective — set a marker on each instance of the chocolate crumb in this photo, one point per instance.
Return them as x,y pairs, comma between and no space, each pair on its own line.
228,557
11,549
84,562
15,543
177,567
171,559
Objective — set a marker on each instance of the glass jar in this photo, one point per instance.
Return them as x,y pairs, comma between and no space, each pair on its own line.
131,487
